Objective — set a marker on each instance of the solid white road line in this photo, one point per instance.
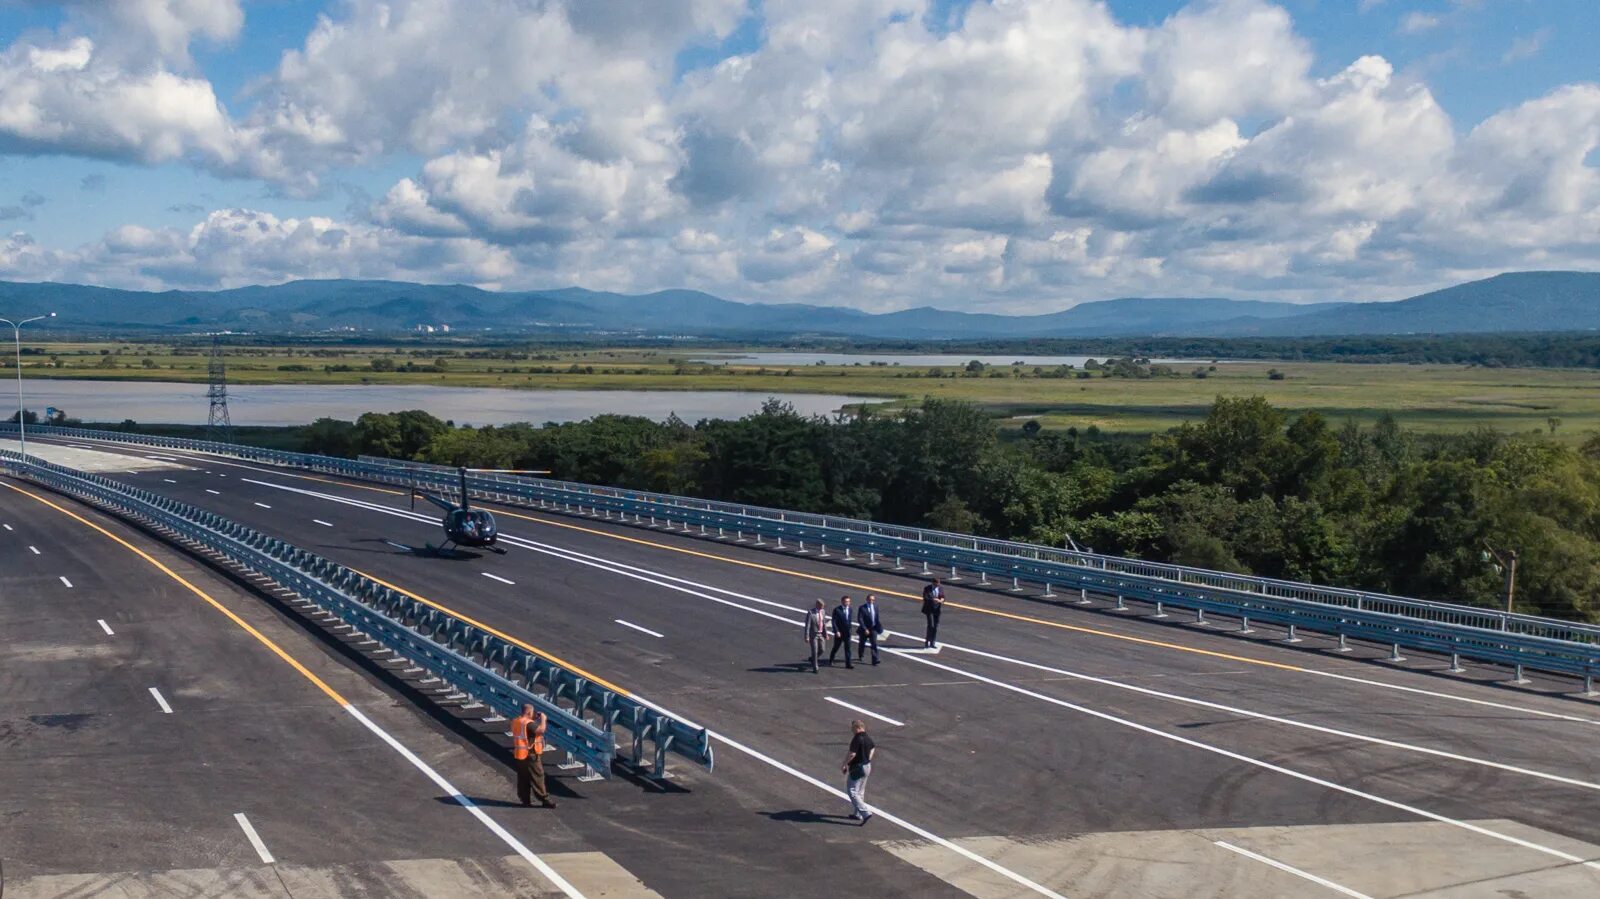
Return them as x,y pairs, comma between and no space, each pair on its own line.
496,577
877,811
1342,890
161,701
263,505
213,492
255,838
727,741
1259,763
321,522
1290,722
494,827
870,714
660,579
106,627
663,580
642,630
34,550
65,581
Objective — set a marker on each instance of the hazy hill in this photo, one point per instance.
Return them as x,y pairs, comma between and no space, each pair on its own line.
1518,301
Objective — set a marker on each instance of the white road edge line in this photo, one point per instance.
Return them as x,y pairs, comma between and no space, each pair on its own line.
1260,763
105,627
1343,890
1382,685
931,837
870,714
263,505
161,701
622,568
255,838
461,799
496,577
642,630
65,581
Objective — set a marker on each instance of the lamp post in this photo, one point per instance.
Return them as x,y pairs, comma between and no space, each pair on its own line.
16,332
1505,563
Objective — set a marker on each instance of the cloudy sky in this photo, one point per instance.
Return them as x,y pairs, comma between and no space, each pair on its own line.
1013,155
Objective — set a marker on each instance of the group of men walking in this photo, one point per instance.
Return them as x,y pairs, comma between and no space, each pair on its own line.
820,624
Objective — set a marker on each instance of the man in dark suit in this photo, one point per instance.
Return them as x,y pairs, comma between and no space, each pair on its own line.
841,631
870,626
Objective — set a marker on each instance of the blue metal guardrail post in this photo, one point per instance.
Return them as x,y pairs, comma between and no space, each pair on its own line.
491,670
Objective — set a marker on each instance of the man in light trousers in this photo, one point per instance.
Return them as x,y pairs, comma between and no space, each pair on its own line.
857,768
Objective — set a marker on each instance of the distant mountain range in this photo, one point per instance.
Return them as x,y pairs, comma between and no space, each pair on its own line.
1516,301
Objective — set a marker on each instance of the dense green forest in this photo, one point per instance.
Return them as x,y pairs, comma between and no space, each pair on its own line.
1248,489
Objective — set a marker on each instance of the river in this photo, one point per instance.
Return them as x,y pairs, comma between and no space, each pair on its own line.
779,360
154,402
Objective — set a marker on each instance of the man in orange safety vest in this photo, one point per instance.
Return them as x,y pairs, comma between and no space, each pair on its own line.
527,744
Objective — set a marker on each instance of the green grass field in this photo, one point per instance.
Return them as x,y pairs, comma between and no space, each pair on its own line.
1436,398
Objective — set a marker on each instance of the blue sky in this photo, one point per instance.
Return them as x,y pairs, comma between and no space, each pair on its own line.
787,150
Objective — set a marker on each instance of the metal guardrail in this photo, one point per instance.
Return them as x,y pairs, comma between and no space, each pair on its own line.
1516,641
492,671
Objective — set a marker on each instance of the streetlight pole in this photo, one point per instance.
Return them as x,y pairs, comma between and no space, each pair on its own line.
1506,565
16,332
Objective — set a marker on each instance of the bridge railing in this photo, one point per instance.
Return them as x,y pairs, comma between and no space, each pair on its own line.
493,671
1462,631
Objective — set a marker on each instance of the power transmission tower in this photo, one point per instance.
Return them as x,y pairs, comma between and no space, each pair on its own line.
218,425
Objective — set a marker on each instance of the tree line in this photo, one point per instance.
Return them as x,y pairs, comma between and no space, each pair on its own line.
1249,489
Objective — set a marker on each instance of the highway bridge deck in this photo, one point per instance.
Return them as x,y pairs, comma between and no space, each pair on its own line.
1047,748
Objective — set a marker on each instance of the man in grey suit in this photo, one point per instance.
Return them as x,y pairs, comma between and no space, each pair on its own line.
816,632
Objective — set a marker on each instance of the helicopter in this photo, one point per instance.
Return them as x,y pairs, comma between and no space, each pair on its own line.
464,525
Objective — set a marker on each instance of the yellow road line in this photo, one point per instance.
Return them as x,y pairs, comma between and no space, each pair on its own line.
264,639
907,596
498,633
1028,619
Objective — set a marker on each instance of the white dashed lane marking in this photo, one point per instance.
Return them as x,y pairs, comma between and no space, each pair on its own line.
870,714
255,838
642,630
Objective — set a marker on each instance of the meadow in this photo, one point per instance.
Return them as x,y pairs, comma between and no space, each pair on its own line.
1433,398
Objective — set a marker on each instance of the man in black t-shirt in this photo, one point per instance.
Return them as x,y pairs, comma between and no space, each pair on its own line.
932,605
856,768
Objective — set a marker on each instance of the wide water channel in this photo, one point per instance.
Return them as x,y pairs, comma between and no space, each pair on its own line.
150,402
781,359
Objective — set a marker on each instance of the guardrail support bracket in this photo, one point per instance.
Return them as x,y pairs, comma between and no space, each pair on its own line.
1292,638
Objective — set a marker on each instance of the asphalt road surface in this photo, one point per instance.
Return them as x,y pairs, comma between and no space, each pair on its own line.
1048,748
